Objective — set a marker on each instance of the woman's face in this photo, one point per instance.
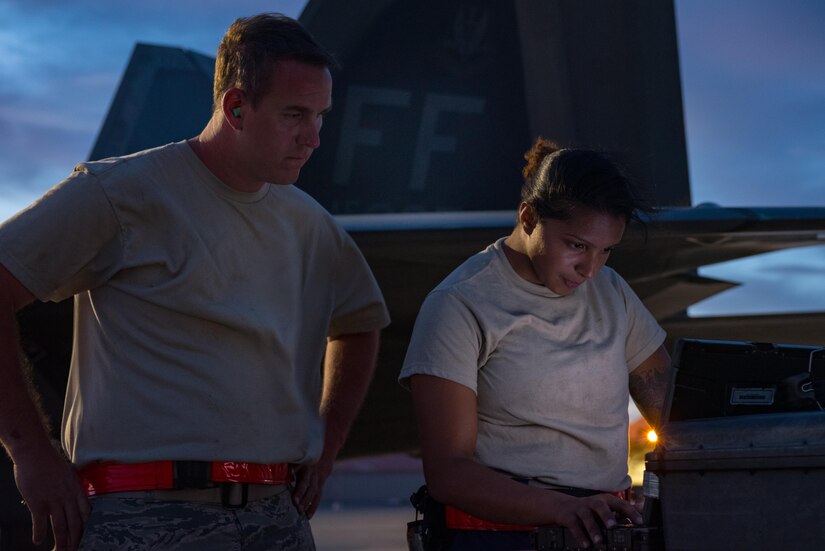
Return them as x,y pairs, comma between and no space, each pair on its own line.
566,253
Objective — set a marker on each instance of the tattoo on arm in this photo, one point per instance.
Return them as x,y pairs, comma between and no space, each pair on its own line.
648,387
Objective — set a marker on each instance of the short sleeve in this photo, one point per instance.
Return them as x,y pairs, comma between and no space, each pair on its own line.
359,303
446,342
66,242
644,334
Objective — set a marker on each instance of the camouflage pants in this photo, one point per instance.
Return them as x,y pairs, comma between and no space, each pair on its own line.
139,524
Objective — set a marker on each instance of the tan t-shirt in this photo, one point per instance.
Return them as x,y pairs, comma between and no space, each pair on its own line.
201,312
550,372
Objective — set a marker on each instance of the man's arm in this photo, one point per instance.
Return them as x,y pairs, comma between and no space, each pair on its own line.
649,383
349,365
47,482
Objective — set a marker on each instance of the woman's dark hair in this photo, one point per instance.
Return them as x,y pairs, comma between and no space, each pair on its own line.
556,181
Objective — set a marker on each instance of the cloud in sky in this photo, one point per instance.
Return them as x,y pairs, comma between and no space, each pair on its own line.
753,78
60,65
760,39
753,75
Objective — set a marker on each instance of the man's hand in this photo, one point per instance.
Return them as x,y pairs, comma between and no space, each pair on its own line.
52,491
586,516
309,486
46,480
349,363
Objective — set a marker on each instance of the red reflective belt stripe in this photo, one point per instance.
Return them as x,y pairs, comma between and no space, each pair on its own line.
105,477
459,520
257,473
456,519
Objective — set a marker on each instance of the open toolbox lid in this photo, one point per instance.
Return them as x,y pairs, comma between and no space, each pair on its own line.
729,378
742,405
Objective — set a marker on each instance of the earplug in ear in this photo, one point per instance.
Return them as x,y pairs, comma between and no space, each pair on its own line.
236,111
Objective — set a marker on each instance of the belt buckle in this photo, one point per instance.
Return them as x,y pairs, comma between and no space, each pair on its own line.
229,495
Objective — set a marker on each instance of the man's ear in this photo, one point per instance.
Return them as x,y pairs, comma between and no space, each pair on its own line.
527,217
233,105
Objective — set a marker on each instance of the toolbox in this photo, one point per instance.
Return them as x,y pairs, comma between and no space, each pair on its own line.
740,460
744,482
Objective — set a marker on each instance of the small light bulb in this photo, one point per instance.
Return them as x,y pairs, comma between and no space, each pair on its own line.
651,436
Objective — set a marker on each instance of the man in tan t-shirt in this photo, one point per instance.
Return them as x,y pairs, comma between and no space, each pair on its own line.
208,291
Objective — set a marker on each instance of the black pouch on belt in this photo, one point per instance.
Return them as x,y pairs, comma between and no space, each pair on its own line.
428,532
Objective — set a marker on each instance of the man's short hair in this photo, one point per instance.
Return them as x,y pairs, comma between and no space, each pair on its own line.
252,45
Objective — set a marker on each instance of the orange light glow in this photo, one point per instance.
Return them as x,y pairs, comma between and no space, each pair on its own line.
651,436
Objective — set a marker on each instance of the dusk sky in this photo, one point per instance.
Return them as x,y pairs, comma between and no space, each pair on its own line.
753,80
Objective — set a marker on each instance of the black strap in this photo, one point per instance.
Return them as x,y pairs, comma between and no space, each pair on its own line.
192,475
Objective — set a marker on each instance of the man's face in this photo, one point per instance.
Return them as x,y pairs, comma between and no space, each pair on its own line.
566,253
282,131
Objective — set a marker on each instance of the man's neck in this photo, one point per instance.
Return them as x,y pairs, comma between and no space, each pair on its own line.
214,150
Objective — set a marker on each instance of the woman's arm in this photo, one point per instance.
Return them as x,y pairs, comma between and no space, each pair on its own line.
649,384
447,425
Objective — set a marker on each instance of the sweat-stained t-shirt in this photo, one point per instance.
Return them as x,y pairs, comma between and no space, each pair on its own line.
201,312
550,372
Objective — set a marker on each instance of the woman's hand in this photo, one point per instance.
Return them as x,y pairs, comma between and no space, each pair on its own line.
585,517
